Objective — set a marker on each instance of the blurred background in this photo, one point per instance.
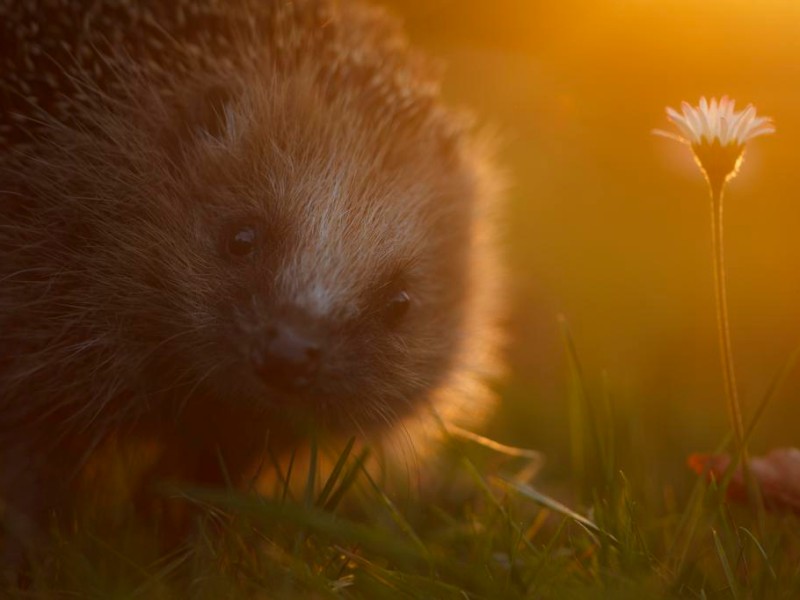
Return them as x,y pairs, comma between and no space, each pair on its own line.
609,225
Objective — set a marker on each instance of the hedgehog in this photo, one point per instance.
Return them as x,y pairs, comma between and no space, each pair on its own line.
221,220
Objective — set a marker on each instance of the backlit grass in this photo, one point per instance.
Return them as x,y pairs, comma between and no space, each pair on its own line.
467,527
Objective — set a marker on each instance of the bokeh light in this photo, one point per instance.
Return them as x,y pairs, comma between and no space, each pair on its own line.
609,225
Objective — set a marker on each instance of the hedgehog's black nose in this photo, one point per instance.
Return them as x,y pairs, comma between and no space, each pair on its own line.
286,359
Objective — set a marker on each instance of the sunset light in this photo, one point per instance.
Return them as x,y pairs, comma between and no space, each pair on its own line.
377,299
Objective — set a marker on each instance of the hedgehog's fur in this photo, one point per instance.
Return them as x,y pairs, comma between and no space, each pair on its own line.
132,133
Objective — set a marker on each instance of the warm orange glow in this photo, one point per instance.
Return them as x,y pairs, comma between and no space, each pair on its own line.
609,224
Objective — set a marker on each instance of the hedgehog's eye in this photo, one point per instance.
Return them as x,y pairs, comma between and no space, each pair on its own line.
241,240
397,308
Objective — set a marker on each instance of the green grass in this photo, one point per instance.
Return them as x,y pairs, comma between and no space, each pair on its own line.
474,527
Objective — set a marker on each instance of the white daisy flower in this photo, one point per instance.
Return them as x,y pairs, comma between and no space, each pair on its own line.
717,134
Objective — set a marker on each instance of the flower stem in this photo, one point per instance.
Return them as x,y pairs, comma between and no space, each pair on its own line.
726,352
723,325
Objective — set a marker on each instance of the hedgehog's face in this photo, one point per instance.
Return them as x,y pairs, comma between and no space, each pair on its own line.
338,303
347,335
339,279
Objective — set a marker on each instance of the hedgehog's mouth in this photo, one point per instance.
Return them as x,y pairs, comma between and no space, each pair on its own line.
313,396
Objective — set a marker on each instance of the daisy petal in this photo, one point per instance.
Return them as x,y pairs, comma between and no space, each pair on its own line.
754,125
724,131
671,136
716,121
693,119
761,130
682,125
745,119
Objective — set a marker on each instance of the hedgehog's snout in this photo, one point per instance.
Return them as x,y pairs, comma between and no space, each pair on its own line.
286,357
